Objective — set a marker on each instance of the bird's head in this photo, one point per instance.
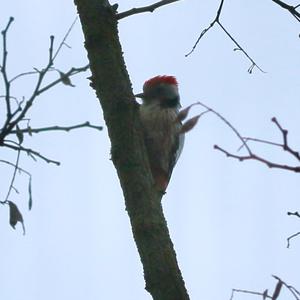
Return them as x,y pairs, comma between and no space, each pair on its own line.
162,91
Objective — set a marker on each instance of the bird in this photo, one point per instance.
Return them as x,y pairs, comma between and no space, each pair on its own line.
161,127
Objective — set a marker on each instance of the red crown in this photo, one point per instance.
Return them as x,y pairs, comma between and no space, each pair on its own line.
160,79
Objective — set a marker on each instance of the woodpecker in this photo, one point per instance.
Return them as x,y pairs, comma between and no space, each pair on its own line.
161,127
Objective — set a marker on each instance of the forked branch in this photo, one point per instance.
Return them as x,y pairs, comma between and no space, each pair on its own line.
238,46
291,9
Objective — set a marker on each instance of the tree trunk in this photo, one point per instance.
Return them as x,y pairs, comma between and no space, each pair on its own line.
143,203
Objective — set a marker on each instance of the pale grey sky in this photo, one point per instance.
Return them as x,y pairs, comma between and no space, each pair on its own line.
227,219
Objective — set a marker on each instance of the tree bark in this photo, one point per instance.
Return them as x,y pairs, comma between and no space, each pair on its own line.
143,203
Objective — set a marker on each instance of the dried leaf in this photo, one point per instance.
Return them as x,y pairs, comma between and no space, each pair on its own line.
15,216
183,113
19,134
65,79
30,195
189,124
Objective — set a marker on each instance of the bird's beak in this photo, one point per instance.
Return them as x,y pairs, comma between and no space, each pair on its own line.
140,95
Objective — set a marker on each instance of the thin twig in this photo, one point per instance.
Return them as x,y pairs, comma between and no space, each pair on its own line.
296,214
37,92
22,74
149,8
239,47
289,8
252,156
32,153
10,125
55,128
3,69
13,177
291,237
248,292
207,29
64,39
228,124
269,163
71,72
285,145
293,291
250,139
15,166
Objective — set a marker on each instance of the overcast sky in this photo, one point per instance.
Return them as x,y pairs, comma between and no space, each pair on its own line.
227,218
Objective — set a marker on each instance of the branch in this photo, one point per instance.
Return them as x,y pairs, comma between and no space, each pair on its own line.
14,118
57,128
296,214
270,164
289,8
149,8
23,74
250,139
207,29
264,295
276,293
239,47
3,69
71,72
8,126
32,153
63,42
252,156
15,166
285,145
13,177
291,237
293,291
228,124
143,202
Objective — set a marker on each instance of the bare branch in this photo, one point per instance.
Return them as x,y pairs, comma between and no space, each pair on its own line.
291,237
32,153
8,126
280,283
3,69
239,47
296,214
22,74
149,8
57,128
13,177
228,124
71,72
250,139
50,63
207,29
249,292
63,42
15,166
293,291
37,91
285,145
289,8
252,156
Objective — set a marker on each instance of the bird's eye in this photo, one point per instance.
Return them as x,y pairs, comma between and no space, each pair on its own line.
170,102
